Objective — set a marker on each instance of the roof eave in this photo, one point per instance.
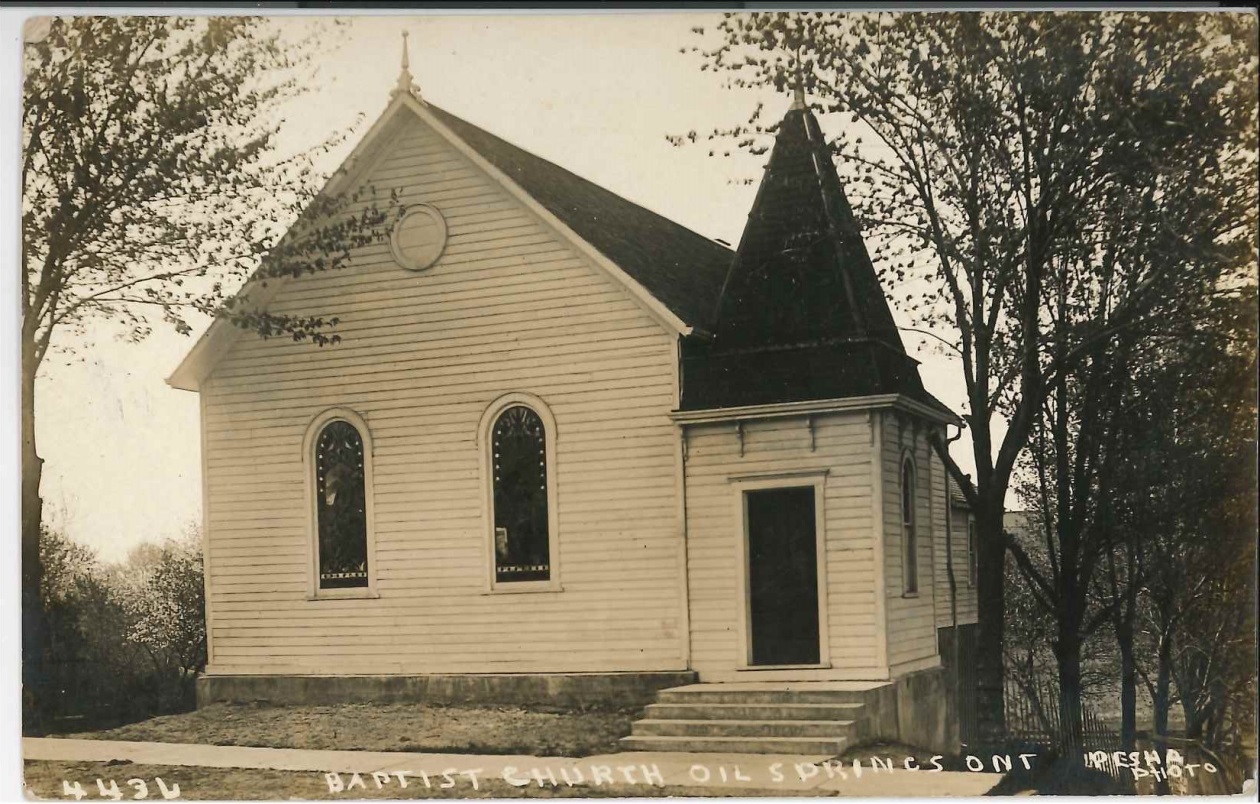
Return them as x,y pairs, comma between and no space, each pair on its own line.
188,374
220,335
776,410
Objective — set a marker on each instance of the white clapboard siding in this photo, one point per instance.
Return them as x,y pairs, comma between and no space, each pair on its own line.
510,307
966,593
911,617
842,444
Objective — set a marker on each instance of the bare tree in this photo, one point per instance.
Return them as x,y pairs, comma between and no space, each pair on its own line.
1186,495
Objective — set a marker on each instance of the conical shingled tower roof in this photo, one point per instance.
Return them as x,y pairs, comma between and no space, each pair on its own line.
802,315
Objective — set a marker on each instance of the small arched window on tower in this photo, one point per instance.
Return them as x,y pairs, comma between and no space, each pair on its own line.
341,506
522,498
909,530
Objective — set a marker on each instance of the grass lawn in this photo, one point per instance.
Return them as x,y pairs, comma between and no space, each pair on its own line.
388,727
45,780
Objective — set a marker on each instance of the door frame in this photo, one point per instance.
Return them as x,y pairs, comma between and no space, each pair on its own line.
740,484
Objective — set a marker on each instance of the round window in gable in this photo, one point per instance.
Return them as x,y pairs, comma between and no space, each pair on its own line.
419,238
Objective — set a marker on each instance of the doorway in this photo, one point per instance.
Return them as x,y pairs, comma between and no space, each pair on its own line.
783,619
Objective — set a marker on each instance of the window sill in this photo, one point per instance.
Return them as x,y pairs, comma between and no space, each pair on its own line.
524,588
344,594
909,595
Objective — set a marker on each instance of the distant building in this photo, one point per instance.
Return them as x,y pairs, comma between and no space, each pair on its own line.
570,450
1020,523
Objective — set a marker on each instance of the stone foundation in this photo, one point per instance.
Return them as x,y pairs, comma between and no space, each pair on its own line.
555,689
880,710
924,711
914,709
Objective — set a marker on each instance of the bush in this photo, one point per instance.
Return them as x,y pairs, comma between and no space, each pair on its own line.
124,641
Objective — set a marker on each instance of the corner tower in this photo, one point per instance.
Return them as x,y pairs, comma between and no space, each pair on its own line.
801,315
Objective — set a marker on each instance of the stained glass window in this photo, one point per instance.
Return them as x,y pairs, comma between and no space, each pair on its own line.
341,507
522,550
910,538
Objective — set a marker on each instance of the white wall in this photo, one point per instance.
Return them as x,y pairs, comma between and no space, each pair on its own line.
842,445
509,307
966,593
911,617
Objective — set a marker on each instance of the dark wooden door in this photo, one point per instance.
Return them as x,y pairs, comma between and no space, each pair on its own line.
782,576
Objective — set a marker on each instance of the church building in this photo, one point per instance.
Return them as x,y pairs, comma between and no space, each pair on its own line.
568,451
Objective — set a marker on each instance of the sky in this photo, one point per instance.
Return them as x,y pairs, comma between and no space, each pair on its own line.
595,93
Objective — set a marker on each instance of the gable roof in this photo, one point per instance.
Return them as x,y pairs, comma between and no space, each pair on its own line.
674,272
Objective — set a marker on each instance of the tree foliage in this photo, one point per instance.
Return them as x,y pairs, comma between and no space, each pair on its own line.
1158,527
1185,492
166,607
151,160
124,640
154,183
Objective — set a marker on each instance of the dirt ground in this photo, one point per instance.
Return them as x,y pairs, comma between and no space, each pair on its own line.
49,780
387,727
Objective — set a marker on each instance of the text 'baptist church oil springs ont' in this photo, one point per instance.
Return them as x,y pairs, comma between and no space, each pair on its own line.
569,451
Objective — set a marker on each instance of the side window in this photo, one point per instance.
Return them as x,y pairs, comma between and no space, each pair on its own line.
521,495
909,533
340,506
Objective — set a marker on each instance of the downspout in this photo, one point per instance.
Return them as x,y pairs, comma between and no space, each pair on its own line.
680,468
953,582
681,459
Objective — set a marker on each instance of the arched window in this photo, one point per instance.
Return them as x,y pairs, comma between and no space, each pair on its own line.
519,435
340,486
909,530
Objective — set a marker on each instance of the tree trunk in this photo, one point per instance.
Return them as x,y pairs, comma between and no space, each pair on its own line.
1163,678
1193,715
991,624
1194,682
1067,651
1128,686
1161,704
33,648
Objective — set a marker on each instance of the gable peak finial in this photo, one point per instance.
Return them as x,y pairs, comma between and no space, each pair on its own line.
798,93
406,83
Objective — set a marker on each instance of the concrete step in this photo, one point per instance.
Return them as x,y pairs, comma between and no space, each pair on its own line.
712,693
825,729
742,711
737,745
